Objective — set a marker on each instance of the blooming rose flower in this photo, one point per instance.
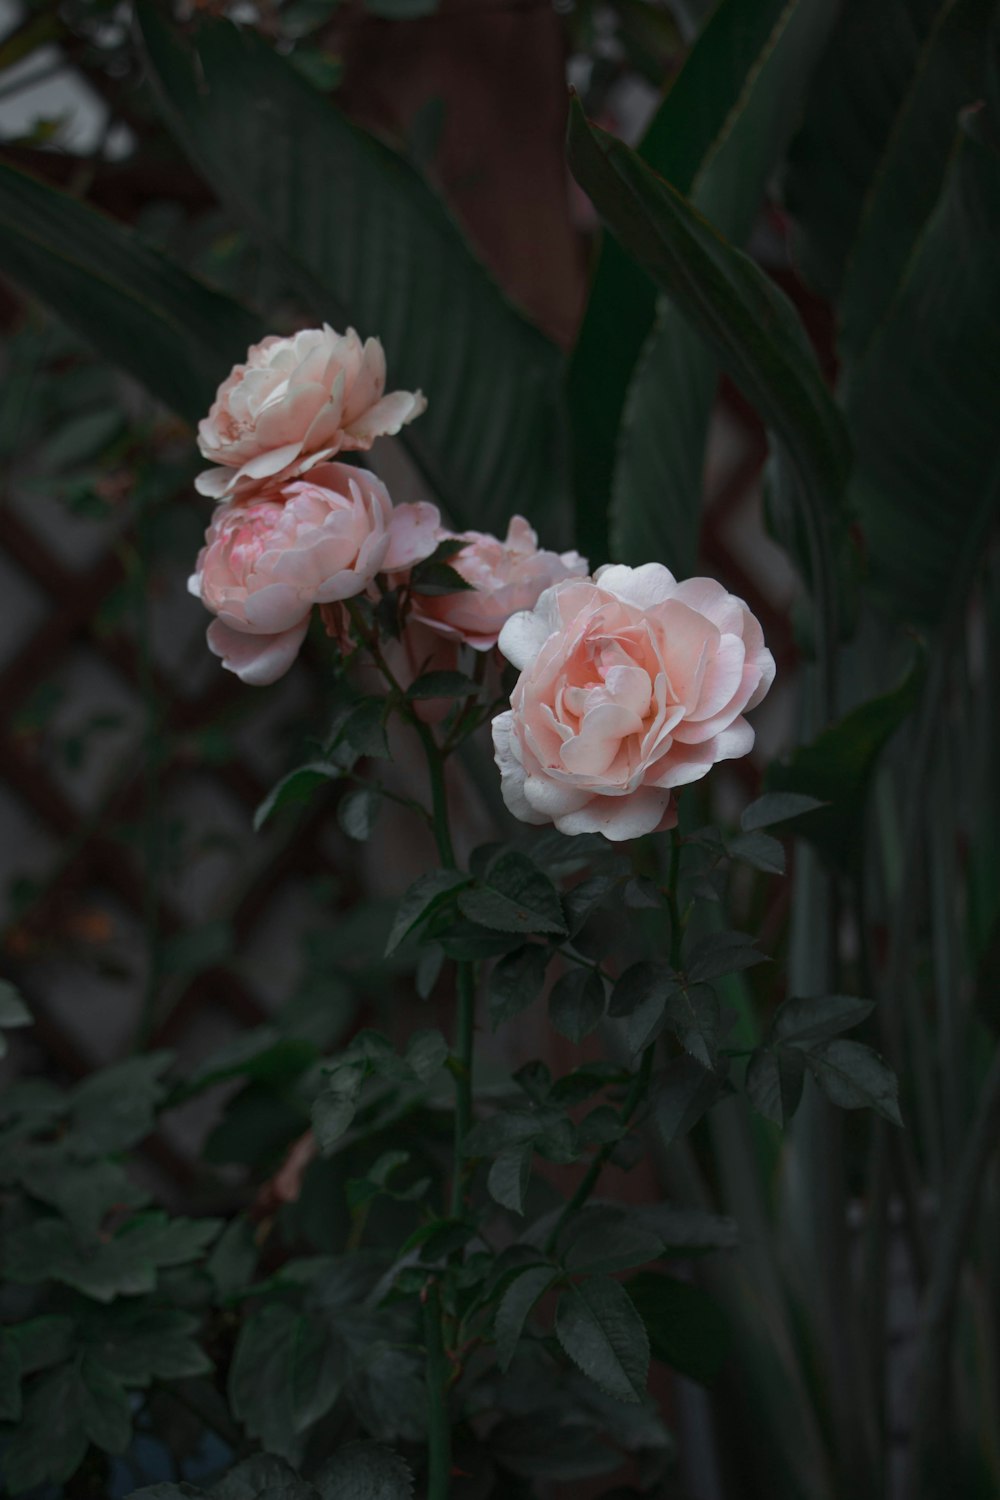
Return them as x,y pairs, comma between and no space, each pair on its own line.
631,685
265,564
506,577
295,402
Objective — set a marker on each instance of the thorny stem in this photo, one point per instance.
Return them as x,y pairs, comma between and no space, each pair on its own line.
439,1440
438,1424
639,1087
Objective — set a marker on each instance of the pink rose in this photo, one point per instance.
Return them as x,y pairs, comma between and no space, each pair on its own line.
296,402
506,577
265,564
631,685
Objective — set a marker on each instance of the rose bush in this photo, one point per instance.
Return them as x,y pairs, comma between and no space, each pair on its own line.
631,686
295,402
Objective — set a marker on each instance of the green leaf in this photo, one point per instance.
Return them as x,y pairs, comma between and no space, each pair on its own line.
516,982
516,1303
600,1330
13,1011
776,807
364,1471
233,1260
262,1477
836,769
511,1127
138,1342
774,1082
336,1104
928,450
362,730
852,1076
77,1404
83,1192
389,1394
377,248
116,1107
437,578
759,850
43,1341
50,1441
647,1020
742,87
10,1378
576,1003
424,896
356,813
689,1229
426,1054
607,1240
515,896
687,1328
287,1371
509,1176
685,1092
583,899
871,73
718,953
640,984
752,328
802,1023
952,72
261,1053
295,788
428,972
125,1265
692,1013
104,1406
138,309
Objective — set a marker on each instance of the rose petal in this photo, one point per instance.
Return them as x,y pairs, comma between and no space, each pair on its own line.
256,659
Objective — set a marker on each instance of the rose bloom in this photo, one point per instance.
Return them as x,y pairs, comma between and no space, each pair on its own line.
506,577
265,564
295,402
631,685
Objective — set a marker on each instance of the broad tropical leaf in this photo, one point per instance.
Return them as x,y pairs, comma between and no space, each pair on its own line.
688,128
928,472
752,327
656,496
861,84
146,314
368,243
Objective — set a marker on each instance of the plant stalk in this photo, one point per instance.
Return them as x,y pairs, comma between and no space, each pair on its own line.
438,1424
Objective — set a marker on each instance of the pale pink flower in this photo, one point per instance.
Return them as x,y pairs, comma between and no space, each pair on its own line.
506,577
414,533
631,685
295,402
265,564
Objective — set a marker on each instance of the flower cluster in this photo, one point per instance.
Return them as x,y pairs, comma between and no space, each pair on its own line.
631,684
294,530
